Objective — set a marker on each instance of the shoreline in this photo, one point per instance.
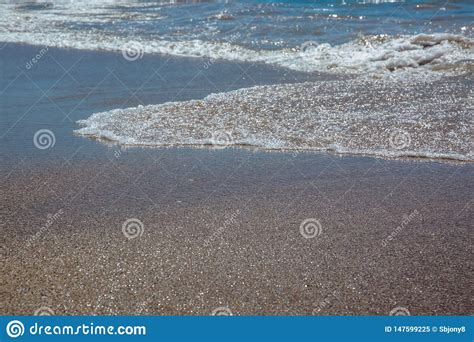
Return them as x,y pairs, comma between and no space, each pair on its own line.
89,228
408,157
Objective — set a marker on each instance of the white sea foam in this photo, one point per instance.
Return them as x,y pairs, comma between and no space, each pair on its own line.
381,118
377,116
445,53
374,55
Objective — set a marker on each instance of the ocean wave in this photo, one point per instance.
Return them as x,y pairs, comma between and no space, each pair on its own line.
111,28
382,117
373,55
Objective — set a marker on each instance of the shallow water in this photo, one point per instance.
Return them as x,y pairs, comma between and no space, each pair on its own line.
385,118
402,73
331,36
46,97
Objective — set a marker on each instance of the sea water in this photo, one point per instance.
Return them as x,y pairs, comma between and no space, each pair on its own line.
406,71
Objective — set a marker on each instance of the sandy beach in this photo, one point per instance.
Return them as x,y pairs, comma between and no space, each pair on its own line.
116,199
221,228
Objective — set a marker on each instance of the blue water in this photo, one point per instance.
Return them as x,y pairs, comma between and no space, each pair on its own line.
276,24
405,41
272,25
253,31
254,24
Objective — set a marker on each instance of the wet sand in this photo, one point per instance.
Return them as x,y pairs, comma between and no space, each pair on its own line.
221,228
